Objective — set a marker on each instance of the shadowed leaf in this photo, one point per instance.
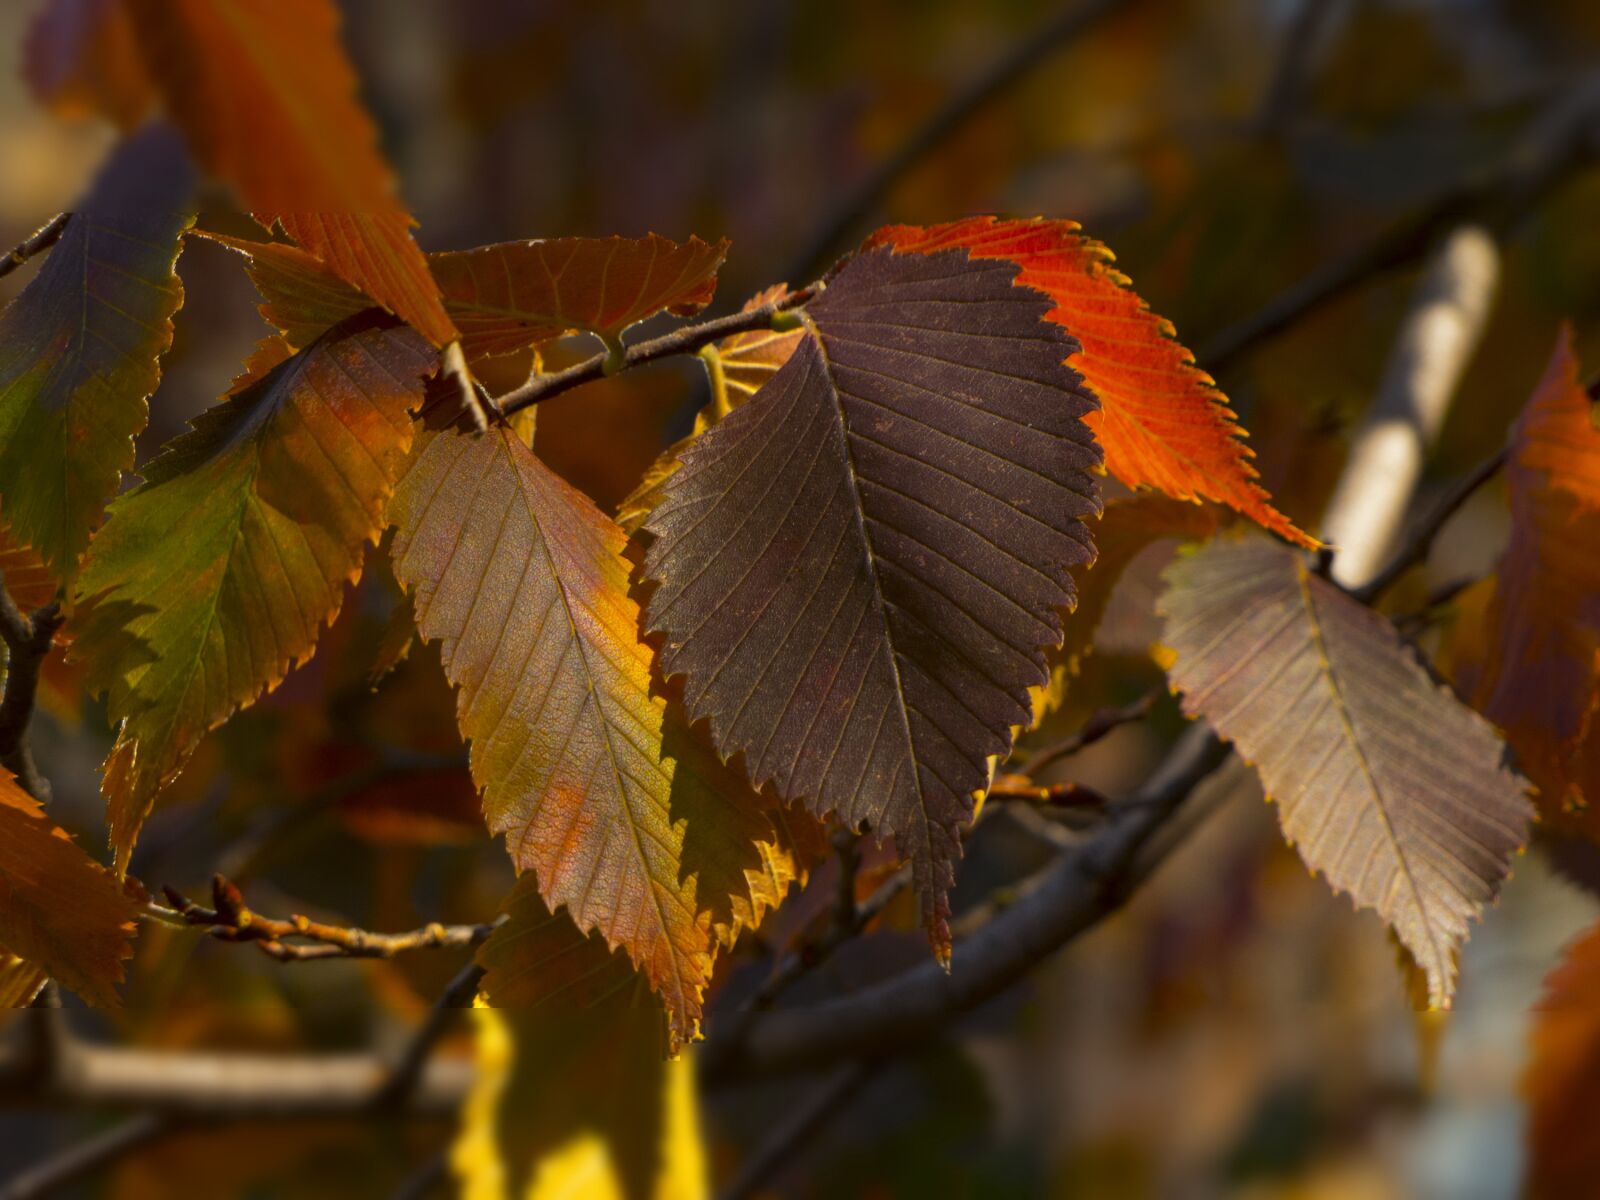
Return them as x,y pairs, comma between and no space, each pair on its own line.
275,491
1385,783
79,348
860,570
622,815
1162,422
267,100
1562,1079
509,296
1540,678
80,58
59,909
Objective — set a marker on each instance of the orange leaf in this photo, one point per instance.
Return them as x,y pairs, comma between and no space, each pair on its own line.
1162,422
80,58
625,818
1562,1079
1541,675
59,909
267,100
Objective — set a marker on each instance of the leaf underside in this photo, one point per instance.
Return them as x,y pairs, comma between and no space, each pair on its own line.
859,570
624,818
60,911
79,348
1385,783
276,492
1162,422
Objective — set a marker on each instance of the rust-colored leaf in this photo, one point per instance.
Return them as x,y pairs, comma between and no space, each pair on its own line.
1562,1078
859,571
1540,679
1162,422
621,814
509,296
274,494
80,348
1385,783
80,58
59,909
267,100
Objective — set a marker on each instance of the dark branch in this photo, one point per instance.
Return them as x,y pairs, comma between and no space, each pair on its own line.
300,939
1550,150
400,1089
1064,900
84,1158
28,641
1096,727
861,203
690,339
1421,539
37,242
824,1105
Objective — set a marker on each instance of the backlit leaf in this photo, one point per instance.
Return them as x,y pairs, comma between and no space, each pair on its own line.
20,982
1385,783
1540,679
81,58
79,348
622,815
860,569
509,296
210,580
1162,422
24,574
267,100
59,909
1562,1078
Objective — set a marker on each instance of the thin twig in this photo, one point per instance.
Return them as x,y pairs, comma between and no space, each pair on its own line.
1281,102
83,1158
399,1089
1092,730
300,939
1422,538
1551,149
827,1103
862,202
689,339
37,242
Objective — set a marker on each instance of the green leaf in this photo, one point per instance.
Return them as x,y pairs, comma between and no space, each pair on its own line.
1386,783
208,582
80,348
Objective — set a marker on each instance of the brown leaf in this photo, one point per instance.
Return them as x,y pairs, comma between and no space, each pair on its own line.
80,58
860,569
1385,783
1562,1078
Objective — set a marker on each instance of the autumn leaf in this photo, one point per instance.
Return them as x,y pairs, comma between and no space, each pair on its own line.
24,575
860,569
505,297
1562,1079
80,348
1162,422
736,367
59,909
1540,678
274,493
624,818
267,100
80,58
1385,783
20,982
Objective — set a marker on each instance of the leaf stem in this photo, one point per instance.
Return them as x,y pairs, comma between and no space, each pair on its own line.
689,339
37,242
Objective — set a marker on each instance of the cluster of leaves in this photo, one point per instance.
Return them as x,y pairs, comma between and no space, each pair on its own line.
841,600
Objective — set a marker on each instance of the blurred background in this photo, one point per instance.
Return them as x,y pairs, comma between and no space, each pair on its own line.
1238,1031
